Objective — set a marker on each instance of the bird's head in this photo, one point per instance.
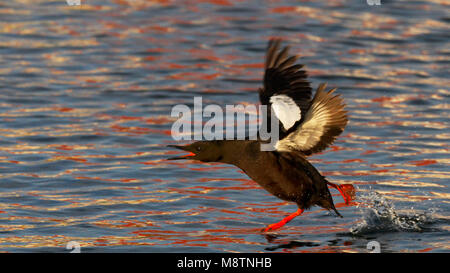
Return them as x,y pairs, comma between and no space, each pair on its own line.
205,151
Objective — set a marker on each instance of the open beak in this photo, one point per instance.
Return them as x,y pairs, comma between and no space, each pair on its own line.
184,148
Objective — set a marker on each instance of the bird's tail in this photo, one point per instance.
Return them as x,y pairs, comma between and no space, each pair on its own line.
327,203
337,212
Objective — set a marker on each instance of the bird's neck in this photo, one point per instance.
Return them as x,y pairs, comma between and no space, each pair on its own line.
237,152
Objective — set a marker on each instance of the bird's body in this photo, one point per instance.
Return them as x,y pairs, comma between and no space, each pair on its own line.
287,175
306,126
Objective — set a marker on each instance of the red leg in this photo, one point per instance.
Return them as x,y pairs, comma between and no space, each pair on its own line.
283,222
346,190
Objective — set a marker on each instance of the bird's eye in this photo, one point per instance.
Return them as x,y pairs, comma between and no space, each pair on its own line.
199,148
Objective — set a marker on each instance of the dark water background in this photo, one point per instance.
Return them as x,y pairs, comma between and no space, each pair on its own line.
85,100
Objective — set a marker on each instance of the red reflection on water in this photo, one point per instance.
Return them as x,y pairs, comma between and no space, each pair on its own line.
425,250
65,147
284,9
63,109
108,179
368,152
424,162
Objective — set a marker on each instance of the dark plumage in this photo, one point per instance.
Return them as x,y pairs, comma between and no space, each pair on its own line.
283,76
307,126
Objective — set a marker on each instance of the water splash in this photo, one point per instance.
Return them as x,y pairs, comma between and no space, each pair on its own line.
380,215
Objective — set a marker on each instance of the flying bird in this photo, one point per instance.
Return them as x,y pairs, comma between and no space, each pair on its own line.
307,125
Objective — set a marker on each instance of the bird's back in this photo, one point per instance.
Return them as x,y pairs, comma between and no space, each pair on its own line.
287,175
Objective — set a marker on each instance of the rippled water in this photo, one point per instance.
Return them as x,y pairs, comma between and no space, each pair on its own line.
86,94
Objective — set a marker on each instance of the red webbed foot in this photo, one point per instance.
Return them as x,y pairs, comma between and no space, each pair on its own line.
347,191
282,222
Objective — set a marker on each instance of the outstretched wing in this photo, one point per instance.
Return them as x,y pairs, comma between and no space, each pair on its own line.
322,123
286,89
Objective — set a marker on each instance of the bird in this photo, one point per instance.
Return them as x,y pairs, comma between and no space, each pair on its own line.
307,125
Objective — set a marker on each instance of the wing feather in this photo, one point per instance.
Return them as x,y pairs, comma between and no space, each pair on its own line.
322,123
281,75
283,78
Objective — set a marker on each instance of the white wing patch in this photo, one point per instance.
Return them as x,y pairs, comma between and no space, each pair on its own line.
286,110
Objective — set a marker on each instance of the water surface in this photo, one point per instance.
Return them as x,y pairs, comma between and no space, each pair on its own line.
85,100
